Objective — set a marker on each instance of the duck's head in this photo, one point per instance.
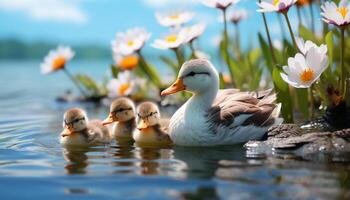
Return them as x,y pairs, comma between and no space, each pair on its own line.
196,76
74,120
121,110
148,115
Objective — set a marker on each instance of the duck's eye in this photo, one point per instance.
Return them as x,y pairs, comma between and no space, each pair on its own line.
191,74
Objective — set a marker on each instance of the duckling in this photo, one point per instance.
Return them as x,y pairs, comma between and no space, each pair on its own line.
79,131
151,129
122,111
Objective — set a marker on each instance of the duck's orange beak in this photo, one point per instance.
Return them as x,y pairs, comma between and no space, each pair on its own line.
142,125
109,120
175,87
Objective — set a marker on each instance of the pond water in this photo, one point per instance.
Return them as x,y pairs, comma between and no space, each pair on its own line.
34,165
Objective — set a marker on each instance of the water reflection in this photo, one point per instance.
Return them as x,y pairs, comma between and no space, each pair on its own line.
76,160
202,162
201,193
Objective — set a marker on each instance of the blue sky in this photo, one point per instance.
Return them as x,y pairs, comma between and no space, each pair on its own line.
97,21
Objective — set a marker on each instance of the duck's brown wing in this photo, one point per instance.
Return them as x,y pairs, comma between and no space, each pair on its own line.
225,94
242,109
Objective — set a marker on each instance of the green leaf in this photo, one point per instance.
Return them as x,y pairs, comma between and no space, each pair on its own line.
173,65
266,52
307,34
115,71
150,72
89,84
302,100
283,95
328,74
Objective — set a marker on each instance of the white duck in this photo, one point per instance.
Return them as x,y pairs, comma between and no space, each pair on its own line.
212,118
79,131
122,113
151,129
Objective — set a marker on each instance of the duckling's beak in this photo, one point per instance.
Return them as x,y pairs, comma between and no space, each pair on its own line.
69,131
142,125
175,87
109,120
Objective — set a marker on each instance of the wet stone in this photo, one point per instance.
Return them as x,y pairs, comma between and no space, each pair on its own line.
291,139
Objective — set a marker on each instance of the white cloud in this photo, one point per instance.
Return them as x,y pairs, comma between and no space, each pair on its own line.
47,10
162,3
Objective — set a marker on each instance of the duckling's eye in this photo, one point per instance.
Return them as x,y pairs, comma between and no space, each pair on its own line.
153,113
77,120
123,109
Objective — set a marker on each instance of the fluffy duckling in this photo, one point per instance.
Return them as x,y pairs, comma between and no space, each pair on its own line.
151,130
122,113
79,131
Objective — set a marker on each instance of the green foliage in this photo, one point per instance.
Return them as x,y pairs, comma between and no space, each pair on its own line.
328,74
302,101
114,71
150,72
93,88
173,65
266,52
283,95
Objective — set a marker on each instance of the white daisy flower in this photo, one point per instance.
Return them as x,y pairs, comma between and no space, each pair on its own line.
237,15
304,47
220,4
130,41
337,15
302,71
56,59
128,62
174,19
172,40
275,5
124,85
193,32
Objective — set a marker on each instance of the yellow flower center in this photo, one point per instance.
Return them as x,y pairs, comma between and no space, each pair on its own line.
130,43
171,38
307,75
343,11
174,16
123,88
128,62
276,2
58,63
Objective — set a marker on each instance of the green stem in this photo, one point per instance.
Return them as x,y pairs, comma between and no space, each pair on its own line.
238,46
149,71
342,64
291,31
227,58
269,39
178,57
75,82
312,103
193,51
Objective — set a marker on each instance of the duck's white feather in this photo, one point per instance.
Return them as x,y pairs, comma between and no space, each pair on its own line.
190,126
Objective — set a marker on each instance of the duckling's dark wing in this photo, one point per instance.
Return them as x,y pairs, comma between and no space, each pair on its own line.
241,109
